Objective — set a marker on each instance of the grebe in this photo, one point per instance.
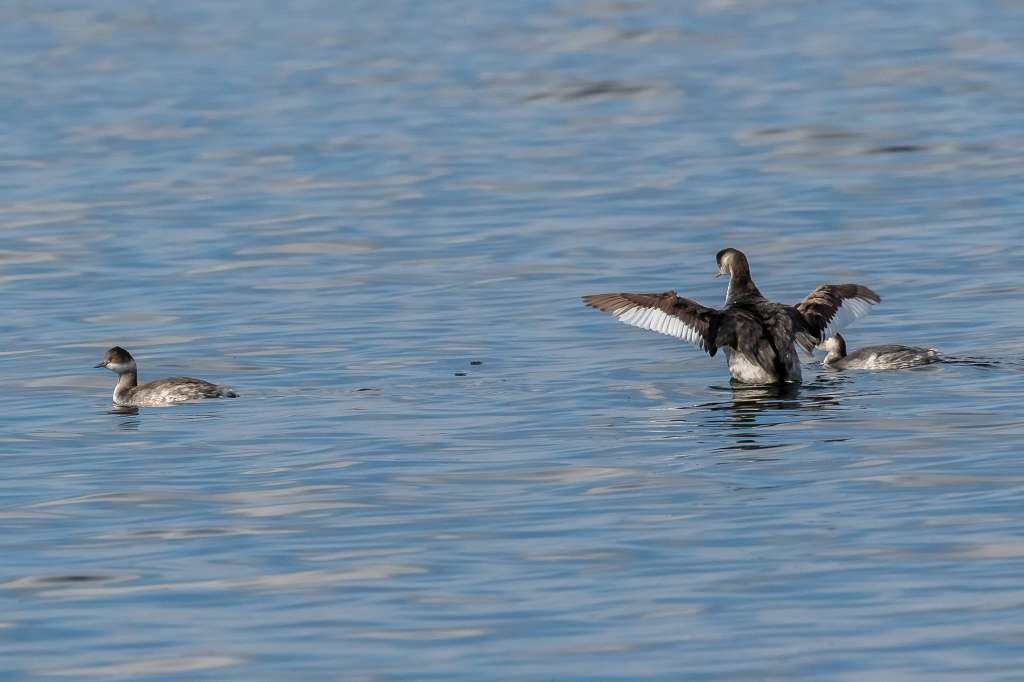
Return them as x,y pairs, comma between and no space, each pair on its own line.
758,336
127,392
888,356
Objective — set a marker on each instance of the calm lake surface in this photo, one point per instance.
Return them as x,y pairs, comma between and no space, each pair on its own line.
374,220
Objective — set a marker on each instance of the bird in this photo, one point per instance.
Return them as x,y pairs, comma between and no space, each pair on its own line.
759,337
128,393
886,356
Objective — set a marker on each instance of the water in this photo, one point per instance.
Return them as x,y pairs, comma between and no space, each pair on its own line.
339,208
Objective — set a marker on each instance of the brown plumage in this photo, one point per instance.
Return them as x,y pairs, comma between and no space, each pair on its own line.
757,334
702,319
821,306
885,356
128,392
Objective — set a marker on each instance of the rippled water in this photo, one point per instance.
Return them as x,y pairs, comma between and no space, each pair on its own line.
374,221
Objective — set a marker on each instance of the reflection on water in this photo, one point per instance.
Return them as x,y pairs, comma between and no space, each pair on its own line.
756,417
755,408
341,209
131,422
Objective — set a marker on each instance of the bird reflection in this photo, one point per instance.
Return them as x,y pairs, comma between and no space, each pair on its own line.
130,421
746,414
752,409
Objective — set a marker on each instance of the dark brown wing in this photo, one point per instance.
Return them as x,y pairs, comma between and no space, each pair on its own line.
664,313
831,307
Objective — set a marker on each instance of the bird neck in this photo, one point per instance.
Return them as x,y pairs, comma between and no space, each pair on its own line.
831,357
741,287
126,382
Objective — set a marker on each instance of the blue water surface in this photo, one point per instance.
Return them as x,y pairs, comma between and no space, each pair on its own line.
375,219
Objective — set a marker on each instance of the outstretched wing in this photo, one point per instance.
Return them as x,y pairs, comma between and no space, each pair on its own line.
664,313
831,307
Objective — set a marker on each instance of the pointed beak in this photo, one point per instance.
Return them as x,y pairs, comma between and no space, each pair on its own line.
718,274
101,364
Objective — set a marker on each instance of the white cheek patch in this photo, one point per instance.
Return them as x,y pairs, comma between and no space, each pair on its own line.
121,367
657,320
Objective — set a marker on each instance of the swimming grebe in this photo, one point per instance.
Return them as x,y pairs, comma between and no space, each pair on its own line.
128,393
758,336
888,356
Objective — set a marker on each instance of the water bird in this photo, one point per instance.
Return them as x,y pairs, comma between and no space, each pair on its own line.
886,356
759,337
128,392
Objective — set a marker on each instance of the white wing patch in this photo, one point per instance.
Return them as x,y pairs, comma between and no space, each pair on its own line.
850,310
659,321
